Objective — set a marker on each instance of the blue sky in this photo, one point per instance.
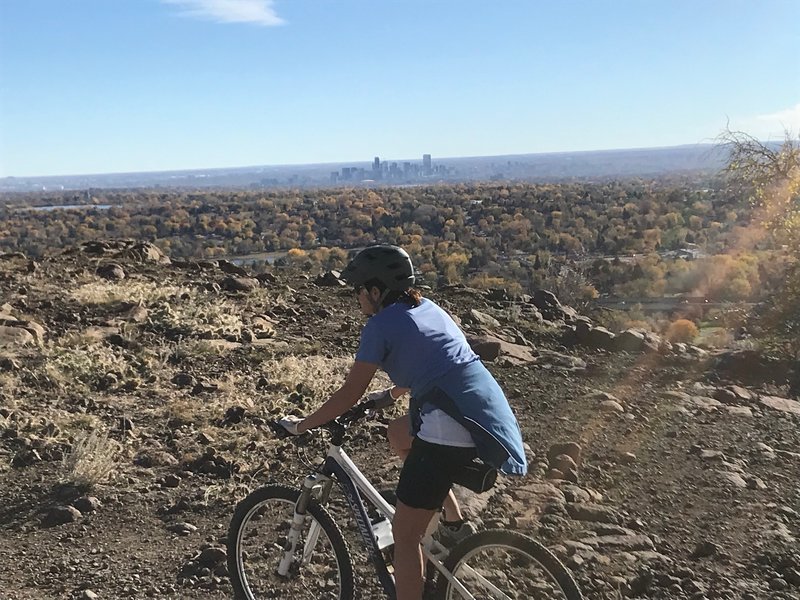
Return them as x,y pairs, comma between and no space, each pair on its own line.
97,86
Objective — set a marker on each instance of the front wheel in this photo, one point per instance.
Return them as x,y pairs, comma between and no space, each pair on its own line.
498,564
260,564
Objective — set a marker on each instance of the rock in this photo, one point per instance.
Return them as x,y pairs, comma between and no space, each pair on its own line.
171,481
89,595
87,504
149,458
59,515
239,284
233,415
147,252
135,314
571,449
15,336
549,359
182,528
734,394
705,549
591,512
598,338
490,348
8,364
25,458
781,404
739,411
213,556
232,269
629,542
550,307
563,463
479,318
630,340
611,406
329,279
183,379
752,367
111,271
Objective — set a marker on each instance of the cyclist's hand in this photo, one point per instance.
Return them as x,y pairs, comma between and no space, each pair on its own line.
381,398
290,424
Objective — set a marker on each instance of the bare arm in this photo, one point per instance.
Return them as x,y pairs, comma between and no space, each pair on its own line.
342,399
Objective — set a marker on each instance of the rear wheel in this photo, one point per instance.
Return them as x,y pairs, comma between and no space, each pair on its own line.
505,565
320,567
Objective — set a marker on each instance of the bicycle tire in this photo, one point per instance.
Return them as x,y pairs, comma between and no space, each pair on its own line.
504,574
266,514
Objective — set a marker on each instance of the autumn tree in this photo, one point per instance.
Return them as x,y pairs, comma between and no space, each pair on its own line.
768,177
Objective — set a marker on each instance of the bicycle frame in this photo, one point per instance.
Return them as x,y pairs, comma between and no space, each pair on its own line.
339,467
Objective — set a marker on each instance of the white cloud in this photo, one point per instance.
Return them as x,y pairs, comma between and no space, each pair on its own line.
258,12
786,119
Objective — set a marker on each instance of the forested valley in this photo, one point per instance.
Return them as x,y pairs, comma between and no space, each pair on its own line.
629,240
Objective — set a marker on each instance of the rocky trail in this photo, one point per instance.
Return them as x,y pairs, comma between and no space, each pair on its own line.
135,391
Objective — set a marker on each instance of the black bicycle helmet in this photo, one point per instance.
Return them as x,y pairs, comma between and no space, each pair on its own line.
388,264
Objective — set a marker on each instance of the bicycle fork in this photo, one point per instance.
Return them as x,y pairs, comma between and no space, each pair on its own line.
296,527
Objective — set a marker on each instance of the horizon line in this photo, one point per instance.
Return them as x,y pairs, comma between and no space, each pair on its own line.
365,161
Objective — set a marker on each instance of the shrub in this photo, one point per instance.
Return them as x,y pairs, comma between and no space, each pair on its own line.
682,330
93,460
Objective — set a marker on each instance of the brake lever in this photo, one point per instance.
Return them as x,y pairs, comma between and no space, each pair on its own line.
279,430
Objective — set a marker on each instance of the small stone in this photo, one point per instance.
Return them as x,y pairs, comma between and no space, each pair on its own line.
210,557
171,481
182,528
705,549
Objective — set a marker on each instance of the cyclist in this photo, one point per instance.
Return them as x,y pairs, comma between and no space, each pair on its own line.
457,410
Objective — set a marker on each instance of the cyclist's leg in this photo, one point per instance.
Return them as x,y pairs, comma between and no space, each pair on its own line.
399,434
409,527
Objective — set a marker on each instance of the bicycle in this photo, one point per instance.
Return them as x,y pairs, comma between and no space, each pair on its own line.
284,544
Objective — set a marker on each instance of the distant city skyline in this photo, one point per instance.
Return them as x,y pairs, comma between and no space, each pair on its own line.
93,86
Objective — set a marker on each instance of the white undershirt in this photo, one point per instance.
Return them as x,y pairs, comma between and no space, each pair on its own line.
440,428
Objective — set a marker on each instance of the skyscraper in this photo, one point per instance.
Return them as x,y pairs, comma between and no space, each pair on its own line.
426,164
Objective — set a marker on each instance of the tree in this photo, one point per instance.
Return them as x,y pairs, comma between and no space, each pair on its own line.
768,176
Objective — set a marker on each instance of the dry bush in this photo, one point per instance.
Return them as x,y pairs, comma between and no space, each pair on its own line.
484,281
682,330
319,376
71,363
92,460
199,312
108,292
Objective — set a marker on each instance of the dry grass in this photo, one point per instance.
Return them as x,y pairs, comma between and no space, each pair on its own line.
199,312
108,292
72,362
94,459
317,376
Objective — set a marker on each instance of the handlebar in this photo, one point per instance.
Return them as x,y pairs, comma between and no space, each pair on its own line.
337,427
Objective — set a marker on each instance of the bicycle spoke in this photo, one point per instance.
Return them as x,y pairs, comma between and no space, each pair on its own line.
264,546
501,566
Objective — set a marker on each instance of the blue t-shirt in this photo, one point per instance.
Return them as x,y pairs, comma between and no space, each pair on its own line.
422,348
415,345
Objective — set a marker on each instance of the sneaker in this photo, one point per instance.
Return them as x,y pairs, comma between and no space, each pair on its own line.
449,536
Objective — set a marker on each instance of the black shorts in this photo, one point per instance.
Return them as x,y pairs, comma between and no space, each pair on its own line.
427,473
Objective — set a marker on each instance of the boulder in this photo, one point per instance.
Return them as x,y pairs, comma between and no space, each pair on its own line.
239,284
111,271
630,340
147,252
15,336
490,348
232,269
329,279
